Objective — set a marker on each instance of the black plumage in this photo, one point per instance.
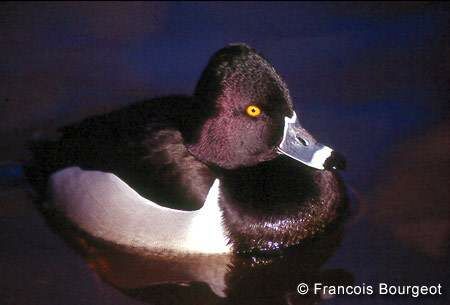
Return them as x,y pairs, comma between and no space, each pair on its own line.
171,149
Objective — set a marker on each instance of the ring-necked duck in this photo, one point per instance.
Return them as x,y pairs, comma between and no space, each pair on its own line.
278,185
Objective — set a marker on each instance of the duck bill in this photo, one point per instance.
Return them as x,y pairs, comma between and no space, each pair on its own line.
300,145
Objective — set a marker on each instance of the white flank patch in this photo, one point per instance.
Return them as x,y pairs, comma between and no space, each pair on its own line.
106,207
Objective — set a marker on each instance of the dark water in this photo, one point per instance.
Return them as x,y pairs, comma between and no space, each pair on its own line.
45,260
370,80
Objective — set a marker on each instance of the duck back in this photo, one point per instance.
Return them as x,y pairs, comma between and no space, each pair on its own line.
143,144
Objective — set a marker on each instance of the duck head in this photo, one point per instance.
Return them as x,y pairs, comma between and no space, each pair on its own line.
247,116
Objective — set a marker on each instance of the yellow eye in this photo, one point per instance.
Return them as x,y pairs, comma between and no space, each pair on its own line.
253,111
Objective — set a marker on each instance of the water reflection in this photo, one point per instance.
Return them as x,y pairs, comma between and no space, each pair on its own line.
166,278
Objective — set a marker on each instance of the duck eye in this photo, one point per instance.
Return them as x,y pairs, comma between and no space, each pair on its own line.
253,111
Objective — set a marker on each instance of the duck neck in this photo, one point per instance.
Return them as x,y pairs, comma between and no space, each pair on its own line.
193,117
277,204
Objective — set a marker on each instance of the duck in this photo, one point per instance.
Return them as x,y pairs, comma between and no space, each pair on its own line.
229,169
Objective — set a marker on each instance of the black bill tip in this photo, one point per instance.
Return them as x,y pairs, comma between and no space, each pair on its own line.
335,162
